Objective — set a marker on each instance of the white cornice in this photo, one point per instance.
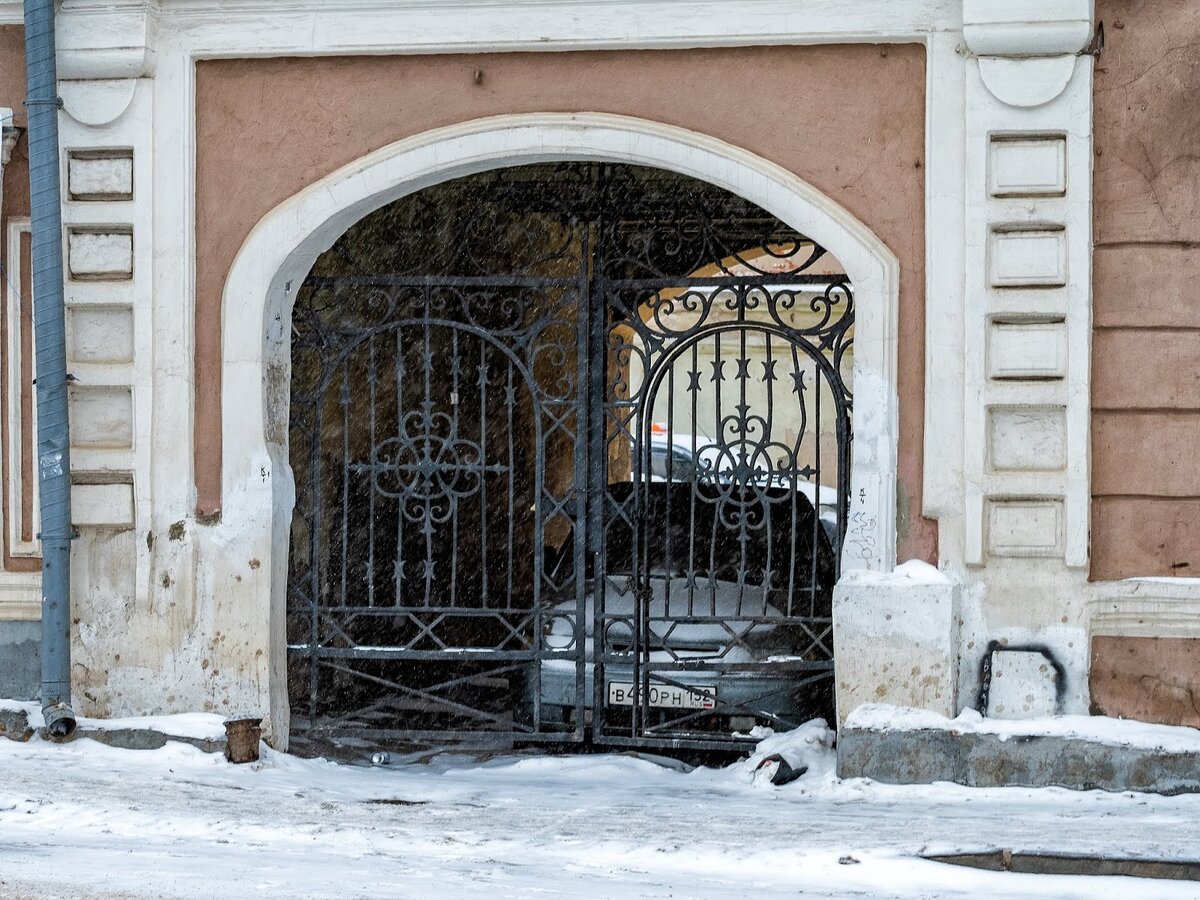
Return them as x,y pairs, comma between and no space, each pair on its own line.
563,23
816,9
314,27
117,38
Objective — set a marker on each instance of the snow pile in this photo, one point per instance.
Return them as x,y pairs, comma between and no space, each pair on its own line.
28,708
885,717
915,571
808,748
921,572
199,726
1097,729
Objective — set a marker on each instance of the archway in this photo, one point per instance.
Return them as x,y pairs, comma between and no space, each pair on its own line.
271,266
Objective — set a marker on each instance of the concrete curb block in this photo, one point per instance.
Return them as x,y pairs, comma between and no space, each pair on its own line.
14,725
145,739
923,756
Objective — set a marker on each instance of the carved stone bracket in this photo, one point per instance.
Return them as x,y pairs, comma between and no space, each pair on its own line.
1027,49
103,47
9,135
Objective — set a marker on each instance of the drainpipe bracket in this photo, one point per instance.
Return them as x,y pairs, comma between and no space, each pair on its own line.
56,102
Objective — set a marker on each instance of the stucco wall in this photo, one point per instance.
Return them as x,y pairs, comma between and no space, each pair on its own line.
1146,290
848,119
1147,678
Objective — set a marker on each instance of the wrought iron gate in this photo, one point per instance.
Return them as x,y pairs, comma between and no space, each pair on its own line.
563,439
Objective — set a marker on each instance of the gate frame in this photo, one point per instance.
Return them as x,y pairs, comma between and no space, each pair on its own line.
257,483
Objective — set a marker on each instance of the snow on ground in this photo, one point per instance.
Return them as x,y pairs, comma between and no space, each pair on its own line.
83,820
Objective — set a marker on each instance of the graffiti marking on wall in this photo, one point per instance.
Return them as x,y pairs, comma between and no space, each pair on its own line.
860,535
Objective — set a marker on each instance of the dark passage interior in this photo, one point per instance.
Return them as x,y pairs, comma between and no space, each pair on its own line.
571,448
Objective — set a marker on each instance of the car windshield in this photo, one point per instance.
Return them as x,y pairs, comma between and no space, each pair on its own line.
671,464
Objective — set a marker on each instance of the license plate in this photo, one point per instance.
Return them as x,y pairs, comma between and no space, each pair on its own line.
665,696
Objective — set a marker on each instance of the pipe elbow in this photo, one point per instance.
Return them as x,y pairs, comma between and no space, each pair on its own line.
60,721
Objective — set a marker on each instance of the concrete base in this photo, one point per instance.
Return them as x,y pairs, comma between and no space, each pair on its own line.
923,756
896,640
20,660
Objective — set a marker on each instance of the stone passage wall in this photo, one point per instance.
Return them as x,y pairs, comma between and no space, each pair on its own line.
1146,292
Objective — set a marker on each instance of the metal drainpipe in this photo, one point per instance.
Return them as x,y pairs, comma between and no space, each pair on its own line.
54,439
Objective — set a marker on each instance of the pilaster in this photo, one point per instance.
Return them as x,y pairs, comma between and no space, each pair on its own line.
106,131
1026,342
1028,281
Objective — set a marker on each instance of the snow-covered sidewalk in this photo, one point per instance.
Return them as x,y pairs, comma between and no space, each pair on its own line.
87,820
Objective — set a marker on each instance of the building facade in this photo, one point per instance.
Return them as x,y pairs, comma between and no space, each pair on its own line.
1011,197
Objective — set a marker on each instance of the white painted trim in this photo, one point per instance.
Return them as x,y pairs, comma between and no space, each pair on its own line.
1145,607
171,177
945,229
17,547
257,486
21,602
20,592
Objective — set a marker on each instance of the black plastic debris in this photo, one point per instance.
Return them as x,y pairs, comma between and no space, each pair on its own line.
777,769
